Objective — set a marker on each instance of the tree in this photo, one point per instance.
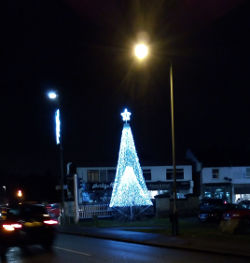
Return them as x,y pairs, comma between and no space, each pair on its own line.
129,187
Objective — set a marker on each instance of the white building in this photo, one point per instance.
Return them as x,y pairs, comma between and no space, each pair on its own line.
97,182
230,183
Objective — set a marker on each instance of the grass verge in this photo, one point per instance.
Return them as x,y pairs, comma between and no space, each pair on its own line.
188,227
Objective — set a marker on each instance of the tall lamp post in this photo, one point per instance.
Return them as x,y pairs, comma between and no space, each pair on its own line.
141,51
52,95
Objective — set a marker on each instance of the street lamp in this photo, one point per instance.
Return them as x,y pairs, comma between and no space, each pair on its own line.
141,52
52,95
19,193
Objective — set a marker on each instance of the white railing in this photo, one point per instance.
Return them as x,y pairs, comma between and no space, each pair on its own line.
90,211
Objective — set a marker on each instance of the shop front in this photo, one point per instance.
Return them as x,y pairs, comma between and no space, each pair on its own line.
218,191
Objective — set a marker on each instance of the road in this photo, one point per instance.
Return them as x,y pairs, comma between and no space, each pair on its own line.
76,249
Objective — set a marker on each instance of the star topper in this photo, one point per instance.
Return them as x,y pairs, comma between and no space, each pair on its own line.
126,115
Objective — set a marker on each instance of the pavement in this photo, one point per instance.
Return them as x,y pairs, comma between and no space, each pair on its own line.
225,247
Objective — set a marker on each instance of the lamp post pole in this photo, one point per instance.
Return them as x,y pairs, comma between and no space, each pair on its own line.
141,51
174,216
62,181
54,96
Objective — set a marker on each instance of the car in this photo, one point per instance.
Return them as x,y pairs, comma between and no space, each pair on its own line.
245,203
211,210
237,212
54,210
237,219
26,224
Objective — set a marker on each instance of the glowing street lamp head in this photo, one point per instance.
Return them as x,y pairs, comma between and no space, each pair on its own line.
19,193
52,95
126,115
141,51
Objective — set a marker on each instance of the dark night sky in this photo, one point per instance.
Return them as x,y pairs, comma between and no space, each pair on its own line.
81,48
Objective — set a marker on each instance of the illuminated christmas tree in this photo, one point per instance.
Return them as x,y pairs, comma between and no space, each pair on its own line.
129,187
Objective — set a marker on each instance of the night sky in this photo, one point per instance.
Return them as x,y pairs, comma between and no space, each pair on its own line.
83,49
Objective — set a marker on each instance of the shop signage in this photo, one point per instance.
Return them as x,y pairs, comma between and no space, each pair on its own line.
102,186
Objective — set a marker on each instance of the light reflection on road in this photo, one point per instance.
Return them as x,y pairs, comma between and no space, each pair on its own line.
14,255
78,249
31,255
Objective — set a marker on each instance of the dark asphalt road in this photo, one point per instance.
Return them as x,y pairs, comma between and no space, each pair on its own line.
76,249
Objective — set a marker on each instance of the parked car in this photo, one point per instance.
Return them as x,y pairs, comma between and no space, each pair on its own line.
54,210
26,224
212,210
245,203
237,219
237,212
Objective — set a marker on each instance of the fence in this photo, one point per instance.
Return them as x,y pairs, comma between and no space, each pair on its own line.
90,211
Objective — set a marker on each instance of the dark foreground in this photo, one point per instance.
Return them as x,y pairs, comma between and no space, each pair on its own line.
74,249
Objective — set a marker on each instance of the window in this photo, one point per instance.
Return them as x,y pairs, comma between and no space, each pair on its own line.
215,173
103,175
93,176
179,174
111,175
147,174
248,173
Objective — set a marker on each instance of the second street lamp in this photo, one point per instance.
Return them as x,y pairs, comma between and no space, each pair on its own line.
52,95
141,51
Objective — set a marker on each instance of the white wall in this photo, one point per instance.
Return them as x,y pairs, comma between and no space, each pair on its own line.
237,174
82,171
158,173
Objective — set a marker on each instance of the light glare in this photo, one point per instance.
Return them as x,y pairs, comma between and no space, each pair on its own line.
126,115
19,193
141,51
52,95
11,227
50,222
8,227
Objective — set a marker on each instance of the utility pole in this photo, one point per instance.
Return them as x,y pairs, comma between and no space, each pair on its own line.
76,206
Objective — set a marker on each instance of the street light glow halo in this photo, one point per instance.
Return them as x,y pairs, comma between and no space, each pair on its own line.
52,95
141,51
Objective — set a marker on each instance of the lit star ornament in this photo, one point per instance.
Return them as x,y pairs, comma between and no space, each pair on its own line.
126,115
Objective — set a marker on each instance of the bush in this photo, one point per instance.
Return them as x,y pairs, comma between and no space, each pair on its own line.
229,226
